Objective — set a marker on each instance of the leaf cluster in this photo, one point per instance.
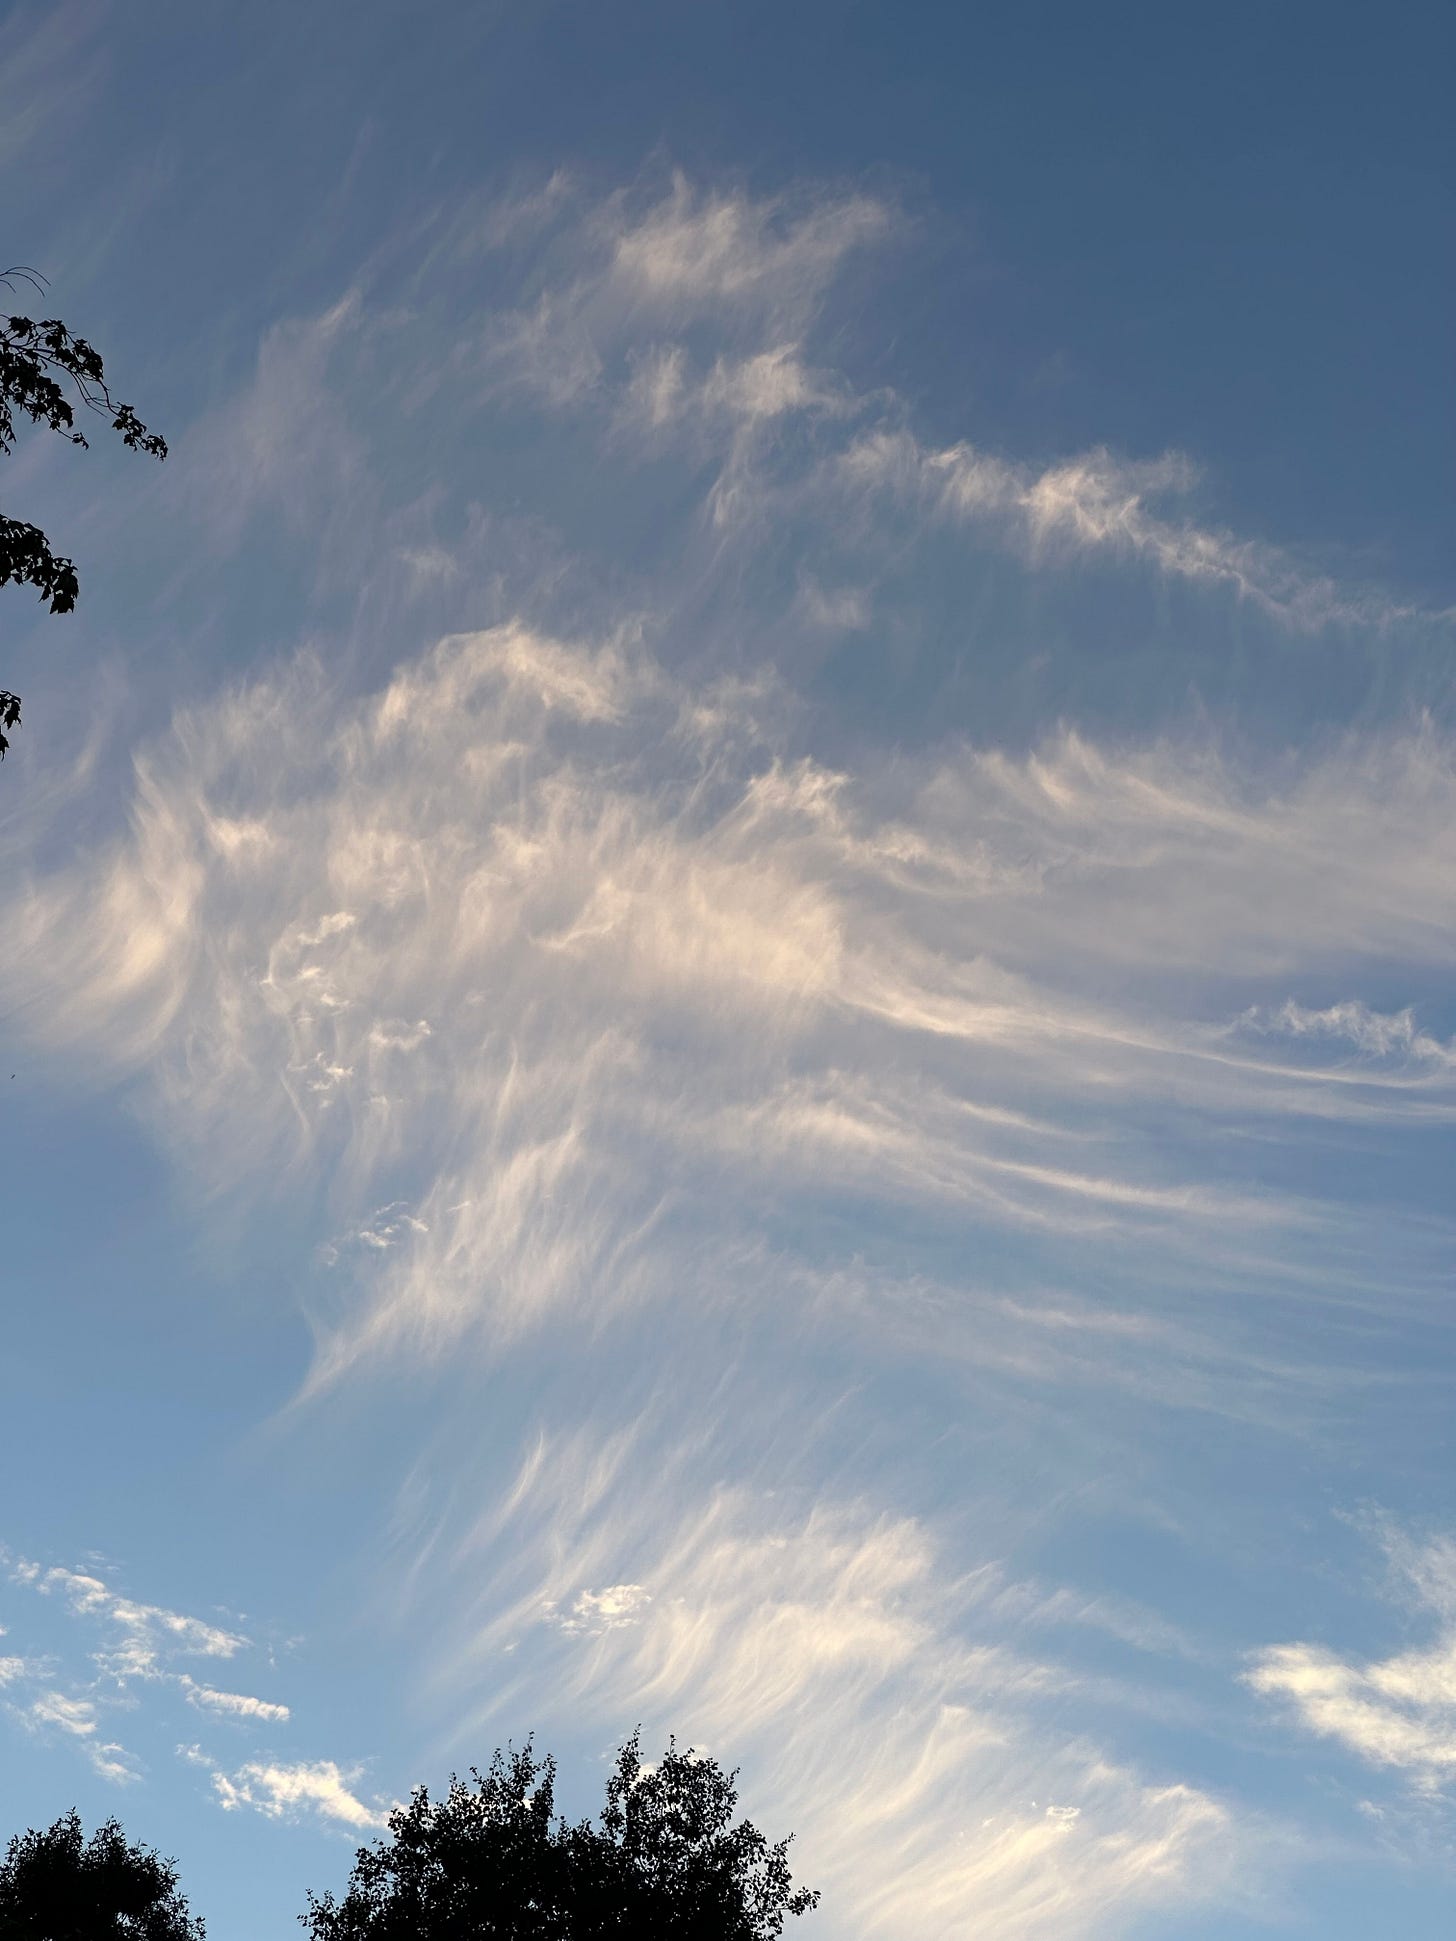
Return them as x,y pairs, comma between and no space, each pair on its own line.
35,358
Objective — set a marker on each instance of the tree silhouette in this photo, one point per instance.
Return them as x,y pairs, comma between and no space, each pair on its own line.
492,1861
59,1886
42,367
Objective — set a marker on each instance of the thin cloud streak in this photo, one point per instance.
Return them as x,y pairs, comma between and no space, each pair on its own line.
1097,502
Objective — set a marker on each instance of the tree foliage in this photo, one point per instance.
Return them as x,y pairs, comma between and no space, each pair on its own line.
492,1861
43,367
60,1886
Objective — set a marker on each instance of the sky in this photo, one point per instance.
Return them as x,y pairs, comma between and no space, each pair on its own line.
728,942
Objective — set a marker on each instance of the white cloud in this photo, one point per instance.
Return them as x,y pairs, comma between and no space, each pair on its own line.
1373,1034
1399,1711
692,251
640,267
516,662
74,1715
136,1673
236,1705
112,1761
132,1669
318,1788
763,386
147,1632
1099,503
79,1719
608,1609
740,392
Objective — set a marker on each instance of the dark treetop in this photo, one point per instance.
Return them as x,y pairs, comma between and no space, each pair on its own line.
492,1861
59,1886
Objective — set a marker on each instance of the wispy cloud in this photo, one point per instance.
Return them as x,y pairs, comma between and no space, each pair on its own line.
135,1663
50,62
316,1789
834,1653
627,271
1096,502
537,939
74,1715
283,447
1398,1712
234,1705
689,311
78,1718
694,250
608,1609
144,1634
1393,1037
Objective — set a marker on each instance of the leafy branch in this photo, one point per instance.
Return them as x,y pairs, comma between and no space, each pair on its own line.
46,371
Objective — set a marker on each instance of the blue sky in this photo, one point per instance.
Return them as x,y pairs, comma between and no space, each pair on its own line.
728,949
